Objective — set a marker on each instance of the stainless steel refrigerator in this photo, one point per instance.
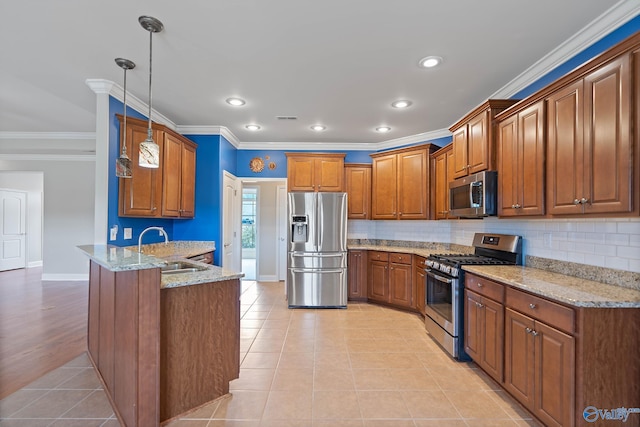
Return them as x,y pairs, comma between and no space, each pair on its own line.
317,255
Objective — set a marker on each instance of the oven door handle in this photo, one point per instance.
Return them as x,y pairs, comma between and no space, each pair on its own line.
437,276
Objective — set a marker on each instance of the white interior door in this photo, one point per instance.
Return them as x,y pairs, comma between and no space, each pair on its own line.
231,250
13,217
282,231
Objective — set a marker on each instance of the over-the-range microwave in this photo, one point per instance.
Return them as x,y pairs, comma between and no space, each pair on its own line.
474,196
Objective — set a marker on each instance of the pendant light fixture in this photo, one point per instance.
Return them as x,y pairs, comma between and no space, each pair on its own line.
149,152
123,163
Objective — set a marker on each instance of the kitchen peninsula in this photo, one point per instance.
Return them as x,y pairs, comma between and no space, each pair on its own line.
161,343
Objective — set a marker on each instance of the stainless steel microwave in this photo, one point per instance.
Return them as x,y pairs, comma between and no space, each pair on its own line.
474,196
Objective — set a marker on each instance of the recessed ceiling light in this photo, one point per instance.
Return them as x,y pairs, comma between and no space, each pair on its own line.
318,128
383,129
429,61
252,127
236,102
401,104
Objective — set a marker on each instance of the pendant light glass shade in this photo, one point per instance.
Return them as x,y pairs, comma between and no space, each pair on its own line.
123,163
149,151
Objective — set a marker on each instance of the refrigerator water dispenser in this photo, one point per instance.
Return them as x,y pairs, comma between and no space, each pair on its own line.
299,228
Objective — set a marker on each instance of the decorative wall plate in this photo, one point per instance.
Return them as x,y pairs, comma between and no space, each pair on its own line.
272,165
256,164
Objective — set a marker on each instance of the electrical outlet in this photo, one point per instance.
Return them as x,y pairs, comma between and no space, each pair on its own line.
546,240
113,233
127,233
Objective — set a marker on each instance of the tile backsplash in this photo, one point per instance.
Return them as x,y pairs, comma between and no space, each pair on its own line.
604,242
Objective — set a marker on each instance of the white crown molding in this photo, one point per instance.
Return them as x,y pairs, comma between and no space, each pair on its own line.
50,157
108,87
413,139
210,130
49,135
307,146
615,17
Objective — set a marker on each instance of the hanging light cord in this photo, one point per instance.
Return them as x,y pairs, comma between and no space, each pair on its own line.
149,132
124,100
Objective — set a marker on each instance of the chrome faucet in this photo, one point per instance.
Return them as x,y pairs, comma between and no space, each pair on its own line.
160,229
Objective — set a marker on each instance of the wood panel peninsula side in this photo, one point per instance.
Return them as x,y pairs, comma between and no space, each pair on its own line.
162,344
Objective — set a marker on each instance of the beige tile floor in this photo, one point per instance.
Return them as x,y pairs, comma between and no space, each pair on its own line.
366,366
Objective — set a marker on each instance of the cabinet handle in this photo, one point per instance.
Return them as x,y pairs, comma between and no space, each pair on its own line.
532,306
518,206
584,201
479,284
528,330
513,206
576,201
534,333
153,208
480,305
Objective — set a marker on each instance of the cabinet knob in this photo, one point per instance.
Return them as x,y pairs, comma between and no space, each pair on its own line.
153,208
534,333
584,201
528,330
480,305
532,306
479,284
576,201
513,206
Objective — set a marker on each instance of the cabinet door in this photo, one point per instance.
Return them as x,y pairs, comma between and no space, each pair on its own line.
419,284
565,173
479,150
329,174
460,150
171,173
384,188
357,275
188,182
607,140
378,281
140,195
519,357
492,338
508,180
400,284
440,186
472,325
358,186
530,160
555,376
300,173
413,184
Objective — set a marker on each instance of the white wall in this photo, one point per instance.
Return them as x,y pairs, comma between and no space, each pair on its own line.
267,230
68,213
33,184
603,242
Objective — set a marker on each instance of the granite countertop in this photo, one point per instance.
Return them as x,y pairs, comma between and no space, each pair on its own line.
117,258
566,289
424,252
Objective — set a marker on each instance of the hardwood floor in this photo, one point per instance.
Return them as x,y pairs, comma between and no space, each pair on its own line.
43,325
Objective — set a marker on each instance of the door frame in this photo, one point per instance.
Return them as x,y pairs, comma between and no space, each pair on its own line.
281,218
22,262
232,208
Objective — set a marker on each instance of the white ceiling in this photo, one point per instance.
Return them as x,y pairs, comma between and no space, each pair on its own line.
336,62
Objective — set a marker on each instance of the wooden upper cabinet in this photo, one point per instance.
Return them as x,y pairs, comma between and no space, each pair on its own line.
521,152
474,138
590,147
140,195
167,191
358,186
400,183
442,170
315,172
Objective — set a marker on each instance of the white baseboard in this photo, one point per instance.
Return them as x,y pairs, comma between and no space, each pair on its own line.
34,264
66,277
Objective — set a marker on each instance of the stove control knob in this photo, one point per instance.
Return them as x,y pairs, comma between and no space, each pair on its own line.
454,272
445,269
429,263
436,265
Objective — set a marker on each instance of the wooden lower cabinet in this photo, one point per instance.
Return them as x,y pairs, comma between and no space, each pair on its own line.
378,276
539,365
484,326
400,283
419,283
390,279
357,275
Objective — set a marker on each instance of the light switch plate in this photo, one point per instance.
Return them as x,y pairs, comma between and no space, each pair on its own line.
113,233
127,233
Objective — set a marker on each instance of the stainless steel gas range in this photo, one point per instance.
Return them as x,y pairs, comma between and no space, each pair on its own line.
444,309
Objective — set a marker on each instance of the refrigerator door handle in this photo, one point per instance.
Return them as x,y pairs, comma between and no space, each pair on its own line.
318,255
315,270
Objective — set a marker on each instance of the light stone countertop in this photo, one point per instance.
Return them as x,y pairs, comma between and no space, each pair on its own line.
567,289
116,258
424,252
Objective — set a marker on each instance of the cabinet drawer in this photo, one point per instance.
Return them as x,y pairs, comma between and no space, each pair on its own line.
378,256
400,258
419,261
485,287
542,309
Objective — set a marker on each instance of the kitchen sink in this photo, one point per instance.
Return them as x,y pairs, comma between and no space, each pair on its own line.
179,267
